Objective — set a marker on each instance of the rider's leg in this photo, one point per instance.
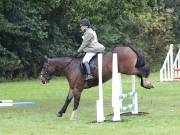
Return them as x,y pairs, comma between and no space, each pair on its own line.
86,60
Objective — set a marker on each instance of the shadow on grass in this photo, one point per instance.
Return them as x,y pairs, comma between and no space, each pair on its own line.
123,114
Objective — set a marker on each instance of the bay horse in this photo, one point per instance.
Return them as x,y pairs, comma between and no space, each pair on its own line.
130,62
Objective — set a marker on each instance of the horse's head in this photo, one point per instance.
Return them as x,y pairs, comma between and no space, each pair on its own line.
46,72
54,66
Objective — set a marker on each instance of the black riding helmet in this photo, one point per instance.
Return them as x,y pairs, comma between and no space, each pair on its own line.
85,22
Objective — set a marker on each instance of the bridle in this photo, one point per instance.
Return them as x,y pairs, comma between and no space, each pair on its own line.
45,73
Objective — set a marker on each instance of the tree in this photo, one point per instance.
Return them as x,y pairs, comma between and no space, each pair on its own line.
30,29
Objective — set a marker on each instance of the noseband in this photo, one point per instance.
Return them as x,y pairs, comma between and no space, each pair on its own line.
45,72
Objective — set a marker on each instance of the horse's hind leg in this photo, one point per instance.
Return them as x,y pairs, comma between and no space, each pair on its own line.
143,73
146,83
77,95
64,108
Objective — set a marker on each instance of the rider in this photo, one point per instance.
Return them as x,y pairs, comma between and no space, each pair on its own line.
90,45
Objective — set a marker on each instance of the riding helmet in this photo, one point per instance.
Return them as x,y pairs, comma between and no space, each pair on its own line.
85,22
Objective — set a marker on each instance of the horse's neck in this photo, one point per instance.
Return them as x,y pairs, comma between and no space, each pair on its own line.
60,63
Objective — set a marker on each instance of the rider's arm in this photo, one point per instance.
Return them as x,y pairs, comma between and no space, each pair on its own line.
86,41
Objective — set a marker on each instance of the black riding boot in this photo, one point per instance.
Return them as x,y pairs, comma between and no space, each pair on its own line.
88,71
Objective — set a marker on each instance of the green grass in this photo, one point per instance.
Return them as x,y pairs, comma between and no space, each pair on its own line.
161,103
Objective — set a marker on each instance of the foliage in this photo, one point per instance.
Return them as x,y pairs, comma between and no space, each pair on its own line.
30,29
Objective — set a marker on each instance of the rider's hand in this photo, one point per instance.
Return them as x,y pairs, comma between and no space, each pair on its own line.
78,51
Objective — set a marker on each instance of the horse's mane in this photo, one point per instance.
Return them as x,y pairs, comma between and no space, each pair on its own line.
57,58
78,56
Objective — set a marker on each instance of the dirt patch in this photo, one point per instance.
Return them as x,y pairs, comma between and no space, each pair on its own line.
123,114
130,114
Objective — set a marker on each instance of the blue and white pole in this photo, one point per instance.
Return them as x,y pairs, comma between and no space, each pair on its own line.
11,103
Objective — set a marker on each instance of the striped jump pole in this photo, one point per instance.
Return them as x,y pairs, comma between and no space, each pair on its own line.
11,103
134,105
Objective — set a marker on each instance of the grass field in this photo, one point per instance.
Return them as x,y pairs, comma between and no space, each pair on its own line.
162,105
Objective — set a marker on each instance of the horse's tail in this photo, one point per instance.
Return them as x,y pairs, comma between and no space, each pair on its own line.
140,58
140,64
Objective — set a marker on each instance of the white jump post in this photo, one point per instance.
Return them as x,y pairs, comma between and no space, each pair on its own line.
116,89
166,72
118,96
170,70
99,102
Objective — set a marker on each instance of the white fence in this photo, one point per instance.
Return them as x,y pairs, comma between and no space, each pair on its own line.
170,70
117,95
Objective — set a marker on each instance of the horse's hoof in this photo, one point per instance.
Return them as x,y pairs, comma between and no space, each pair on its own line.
74,115
150,86
59,114
73,119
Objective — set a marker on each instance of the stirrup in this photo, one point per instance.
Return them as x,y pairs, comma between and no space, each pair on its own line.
88,77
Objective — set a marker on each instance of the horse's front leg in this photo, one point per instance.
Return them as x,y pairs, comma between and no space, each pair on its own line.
64,108
77,96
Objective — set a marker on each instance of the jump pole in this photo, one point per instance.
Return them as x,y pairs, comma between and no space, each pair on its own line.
6,101
99,102
11,103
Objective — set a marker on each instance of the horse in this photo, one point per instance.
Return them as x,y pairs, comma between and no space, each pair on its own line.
130,62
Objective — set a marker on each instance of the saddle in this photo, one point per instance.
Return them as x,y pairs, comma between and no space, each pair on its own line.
92,65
